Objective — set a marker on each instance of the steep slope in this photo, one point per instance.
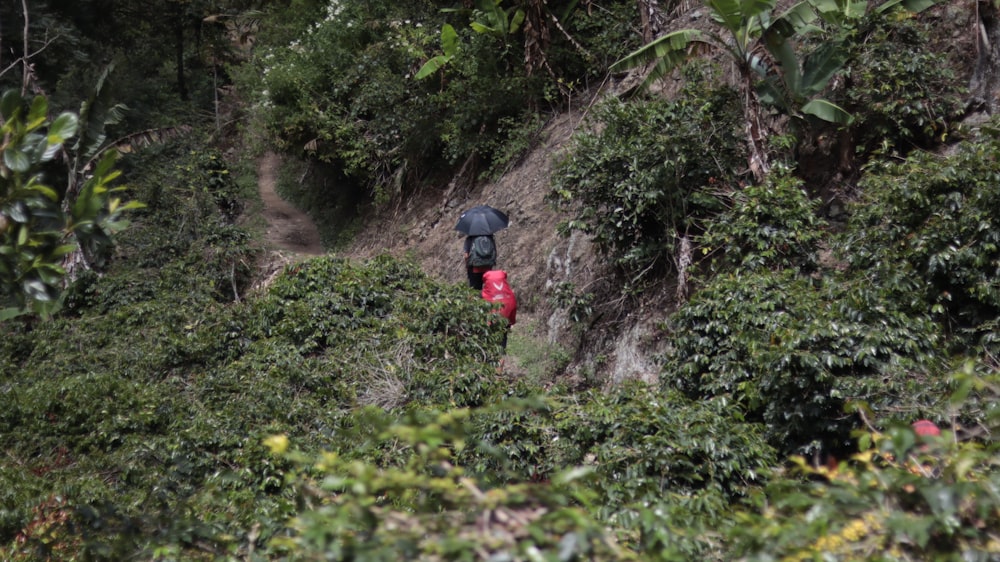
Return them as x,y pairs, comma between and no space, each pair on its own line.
620,339
537,258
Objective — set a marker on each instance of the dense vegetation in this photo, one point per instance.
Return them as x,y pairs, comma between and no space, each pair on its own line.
162,402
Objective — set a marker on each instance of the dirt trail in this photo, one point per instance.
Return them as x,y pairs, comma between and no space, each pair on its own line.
288,228
538,260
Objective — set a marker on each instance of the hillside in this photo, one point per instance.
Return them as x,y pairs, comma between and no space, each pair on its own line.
618,342
537,258
220,386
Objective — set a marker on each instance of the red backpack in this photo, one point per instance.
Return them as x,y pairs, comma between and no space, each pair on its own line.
497,290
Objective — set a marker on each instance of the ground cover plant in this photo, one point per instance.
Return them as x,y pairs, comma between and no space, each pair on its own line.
179,408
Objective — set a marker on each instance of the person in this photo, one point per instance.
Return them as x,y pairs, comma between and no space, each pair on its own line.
480,257
496,289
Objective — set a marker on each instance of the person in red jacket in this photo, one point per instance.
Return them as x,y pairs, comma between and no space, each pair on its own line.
496,289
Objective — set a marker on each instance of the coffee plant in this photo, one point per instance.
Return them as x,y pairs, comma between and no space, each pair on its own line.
640,176
926,229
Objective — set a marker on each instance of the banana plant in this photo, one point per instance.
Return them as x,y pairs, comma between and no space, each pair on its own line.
763,48
743,23
794,83
449,48
496,20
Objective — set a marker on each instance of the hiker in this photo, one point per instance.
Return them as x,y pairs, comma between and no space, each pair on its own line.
478,224
480,257
497,290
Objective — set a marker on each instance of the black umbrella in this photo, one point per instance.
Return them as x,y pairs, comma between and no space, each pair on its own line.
481,220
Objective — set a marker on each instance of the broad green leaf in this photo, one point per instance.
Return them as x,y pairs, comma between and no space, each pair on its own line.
827,111
673,45
915,6
795,21
16,160
430,67
819,68
449,40
37,113
516,21
10,313
480,28
63,128
738,14
788,63
10,104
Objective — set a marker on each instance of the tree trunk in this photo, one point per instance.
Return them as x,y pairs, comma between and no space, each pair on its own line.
756,131
536,37
651,19
179,50
985,81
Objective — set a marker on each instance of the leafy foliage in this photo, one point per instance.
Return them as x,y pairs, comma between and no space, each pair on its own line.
926,229
640,178
900,497
792,352
345,91
429,506
901,90
197,386
39,223
774,226
418,331
352,411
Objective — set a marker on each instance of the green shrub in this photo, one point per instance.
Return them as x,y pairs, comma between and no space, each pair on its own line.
424,336
900,497
175,459
774,226
640,177
901,88
644,447
793,351
928,231
645,444
426,505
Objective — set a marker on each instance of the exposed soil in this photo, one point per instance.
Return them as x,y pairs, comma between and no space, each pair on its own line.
288,228
537,258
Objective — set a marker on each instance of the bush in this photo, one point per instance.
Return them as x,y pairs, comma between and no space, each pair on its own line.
793,351
774,226
901,89
640,177
900,497
928,231
426,505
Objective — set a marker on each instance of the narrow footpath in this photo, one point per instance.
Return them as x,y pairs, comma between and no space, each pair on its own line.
288,228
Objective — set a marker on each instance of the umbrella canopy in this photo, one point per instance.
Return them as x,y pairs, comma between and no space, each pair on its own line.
481,220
